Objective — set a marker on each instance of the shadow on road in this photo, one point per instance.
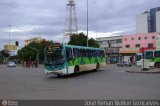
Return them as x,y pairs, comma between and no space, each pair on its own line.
73,75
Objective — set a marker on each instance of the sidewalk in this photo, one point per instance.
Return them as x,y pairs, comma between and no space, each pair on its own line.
137,69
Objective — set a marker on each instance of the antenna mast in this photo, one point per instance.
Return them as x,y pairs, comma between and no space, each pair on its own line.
71,20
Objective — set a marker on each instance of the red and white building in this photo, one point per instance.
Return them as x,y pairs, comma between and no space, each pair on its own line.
133,43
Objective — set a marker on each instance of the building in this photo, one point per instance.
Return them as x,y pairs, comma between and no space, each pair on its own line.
158,43
140,40
148,21
158,21
153,20
12,49
112,46
142,23
134,43
36,39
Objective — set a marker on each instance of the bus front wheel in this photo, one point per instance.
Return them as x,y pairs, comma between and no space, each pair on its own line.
58,75
157,65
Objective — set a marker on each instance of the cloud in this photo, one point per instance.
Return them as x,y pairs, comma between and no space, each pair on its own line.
46,18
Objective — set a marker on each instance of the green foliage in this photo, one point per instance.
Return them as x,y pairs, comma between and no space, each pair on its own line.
78,39
1,57
93,43
81,40
5,53
28,54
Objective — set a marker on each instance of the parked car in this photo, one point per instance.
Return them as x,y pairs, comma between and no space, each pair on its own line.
124,64
11,64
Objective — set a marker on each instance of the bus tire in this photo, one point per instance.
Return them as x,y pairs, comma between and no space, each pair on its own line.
58,75
76,69
157,65
97,67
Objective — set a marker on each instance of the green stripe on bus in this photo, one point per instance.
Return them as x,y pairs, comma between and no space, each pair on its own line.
85,60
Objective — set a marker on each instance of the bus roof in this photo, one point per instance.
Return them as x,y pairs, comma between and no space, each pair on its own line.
151,50
73,46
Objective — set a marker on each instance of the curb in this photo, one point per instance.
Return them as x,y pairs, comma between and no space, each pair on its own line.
147,72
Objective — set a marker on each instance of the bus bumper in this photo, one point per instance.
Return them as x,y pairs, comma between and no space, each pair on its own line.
56,72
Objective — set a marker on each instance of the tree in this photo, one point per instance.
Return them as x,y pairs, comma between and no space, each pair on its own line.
78,39
14,58
1,57
81,40
93,43
5,53
28,54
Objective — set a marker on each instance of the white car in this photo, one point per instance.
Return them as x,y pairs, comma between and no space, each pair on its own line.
11,64
124,64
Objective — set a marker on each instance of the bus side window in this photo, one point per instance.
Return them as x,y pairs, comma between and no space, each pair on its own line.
157,53
69,53
94,52
98,54
76,52
82,53
88,53
102,53
149,55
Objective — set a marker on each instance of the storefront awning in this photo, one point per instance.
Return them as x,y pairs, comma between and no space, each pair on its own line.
129,50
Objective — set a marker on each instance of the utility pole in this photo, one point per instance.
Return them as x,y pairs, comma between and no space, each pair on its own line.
87,23
9,36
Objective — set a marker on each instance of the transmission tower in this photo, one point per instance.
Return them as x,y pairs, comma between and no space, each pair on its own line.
71,20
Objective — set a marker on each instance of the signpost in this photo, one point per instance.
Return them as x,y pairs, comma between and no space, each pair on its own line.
145,63
143,58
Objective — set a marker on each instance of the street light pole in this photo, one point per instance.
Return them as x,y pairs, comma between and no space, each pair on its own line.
9,36
37,58
87,23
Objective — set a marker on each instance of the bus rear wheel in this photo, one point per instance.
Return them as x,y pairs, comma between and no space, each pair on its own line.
76,69
97,67
157,65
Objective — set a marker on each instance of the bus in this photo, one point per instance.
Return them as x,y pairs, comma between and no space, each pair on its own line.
138,58
67,59
153,56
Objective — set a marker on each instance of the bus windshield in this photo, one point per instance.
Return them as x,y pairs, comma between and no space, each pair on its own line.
149,54
55,57
138,57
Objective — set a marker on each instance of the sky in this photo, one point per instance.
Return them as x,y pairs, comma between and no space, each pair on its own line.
24,19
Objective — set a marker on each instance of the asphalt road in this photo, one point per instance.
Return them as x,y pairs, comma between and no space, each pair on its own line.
111,83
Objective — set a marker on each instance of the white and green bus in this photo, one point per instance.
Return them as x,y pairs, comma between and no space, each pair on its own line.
68,59
153,56
138,59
